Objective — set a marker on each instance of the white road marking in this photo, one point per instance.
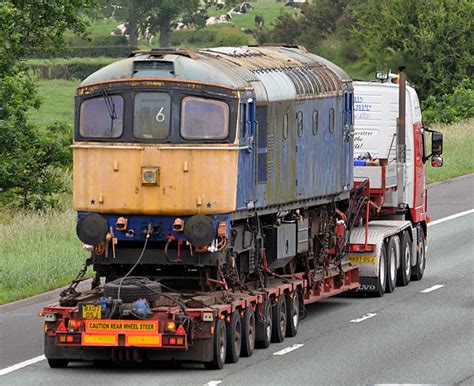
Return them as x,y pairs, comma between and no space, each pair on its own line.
20,365
433,288
213,383
289,349
452,217
365,317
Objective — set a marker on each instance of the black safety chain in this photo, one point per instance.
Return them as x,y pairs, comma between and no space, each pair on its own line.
71,290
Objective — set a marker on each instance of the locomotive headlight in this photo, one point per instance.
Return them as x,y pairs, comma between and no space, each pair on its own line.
150,176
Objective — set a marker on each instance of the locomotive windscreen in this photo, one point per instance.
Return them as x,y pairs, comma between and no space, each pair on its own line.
102,117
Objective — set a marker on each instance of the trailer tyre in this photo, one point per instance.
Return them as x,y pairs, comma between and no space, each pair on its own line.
393,254
219,347
279,320
381,280
404,272
234,337
248,332
292,314
133,288
419,269
58,363
264,327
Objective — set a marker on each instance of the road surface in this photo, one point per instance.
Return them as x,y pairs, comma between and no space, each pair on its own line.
422,333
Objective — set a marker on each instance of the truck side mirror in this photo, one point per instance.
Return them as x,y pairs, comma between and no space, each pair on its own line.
436,143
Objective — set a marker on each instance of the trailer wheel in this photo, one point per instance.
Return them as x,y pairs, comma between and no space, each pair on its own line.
404,272
381,280
419,268
264,327
58,363
219,347
279,320
234,337
248,332
292,314
393,254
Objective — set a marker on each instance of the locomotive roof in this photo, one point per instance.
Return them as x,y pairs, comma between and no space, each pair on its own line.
274,72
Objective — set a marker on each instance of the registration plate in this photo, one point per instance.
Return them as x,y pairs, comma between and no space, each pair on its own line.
91,311
363,259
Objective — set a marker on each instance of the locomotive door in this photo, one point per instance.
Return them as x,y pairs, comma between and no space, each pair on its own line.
247,153
347,138
300,152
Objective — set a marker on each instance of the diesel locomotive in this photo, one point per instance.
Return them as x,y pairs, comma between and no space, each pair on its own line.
214,167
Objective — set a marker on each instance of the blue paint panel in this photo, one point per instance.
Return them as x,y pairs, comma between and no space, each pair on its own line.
162,226
246,172
306,164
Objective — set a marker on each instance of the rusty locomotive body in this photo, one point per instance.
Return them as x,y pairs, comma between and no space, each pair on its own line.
225,162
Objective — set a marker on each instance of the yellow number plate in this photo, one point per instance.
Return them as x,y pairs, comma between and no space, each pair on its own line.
363,259
91,311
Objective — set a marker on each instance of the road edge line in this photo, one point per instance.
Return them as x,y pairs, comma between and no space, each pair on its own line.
18,366
452,217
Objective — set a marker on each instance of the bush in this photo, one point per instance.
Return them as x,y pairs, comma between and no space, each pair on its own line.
118,51
451,108
68,69
211,36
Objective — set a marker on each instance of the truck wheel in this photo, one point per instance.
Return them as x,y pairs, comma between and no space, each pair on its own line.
404,272
419,269
219,347
264,327
279,320
58,363
248,332
393,253
234,337
381,280
292,314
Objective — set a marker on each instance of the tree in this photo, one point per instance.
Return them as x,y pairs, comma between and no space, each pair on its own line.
432,38
163,13
26,155
152,16
133,12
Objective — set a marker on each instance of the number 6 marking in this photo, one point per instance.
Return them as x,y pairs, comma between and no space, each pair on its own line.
160,117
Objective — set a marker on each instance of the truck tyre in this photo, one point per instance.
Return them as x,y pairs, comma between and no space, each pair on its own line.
264,326
234,337
382,278
292,314
279,320
393,255
419,268
219,347
248,332
58,363
404,272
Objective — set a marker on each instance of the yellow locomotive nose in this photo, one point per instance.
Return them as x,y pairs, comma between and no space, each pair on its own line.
155,179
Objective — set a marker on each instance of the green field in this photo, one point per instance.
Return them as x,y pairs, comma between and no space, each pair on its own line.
39,252
58,102
457,151
270,9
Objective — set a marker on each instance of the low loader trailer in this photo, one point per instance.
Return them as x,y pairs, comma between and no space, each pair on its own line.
209,328
212,288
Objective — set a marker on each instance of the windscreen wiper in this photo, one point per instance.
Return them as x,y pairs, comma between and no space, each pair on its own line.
109,103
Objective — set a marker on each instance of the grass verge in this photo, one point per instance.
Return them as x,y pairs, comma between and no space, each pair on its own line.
58,102
457,151
40,252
